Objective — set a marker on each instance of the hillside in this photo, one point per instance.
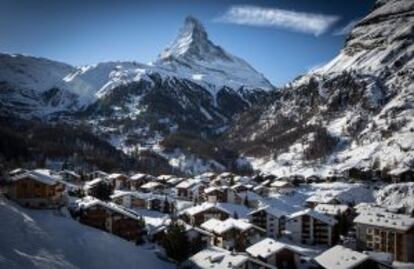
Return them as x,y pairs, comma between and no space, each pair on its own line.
47,239
355,111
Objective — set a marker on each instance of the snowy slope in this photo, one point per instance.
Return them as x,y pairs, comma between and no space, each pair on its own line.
362,98
32,73
45,239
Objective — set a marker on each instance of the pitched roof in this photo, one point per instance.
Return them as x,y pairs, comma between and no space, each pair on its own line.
150,185
40,175
90,201
272,211
215,257
315,214
267,247
203,207
220,227
339,257
281,184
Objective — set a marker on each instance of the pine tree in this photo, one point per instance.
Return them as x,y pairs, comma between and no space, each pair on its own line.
176,243
246,200
166,207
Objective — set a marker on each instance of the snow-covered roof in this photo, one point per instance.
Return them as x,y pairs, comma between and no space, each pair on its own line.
250,195
323,199
150,185
281,184
138,176
165,177
211,189
116,175
339,257
90,201
271,210
220,227
187,184
93,182
203,207
266,247
40,175
17,171
314,214
215,257
331,209
386,220
68,172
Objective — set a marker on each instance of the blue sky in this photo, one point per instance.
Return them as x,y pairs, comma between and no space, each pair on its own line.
280,38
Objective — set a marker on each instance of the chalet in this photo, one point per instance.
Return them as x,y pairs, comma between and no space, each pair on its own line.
233,233
137,180
174,181
402,175
152,186
185,189
36,189
130,199
311,227
263,188
271,219
316,199
109,217
119,181
70,176
199,214
282,186
97,174
275,253
339,257
215,194
247,198
91,186
238,187
164,178
194,234
215,257
386,232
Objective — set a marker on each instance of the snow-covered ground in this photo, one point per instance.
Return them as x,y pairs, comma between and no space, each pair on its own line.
344,192
48,239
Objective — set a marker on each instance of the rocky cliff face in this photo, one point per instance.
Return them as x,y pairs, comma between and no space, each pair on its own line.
356,111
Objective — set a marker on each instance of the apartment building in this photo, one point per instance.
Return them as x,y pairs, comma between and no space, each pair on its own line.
386,232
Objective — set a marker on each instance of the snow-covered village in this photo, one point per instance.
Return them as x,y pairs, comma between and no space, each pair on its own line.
58,219
238,134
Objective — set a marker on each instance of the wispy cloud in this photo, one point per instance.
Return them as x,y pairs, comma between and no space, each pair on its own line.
346,29
311,23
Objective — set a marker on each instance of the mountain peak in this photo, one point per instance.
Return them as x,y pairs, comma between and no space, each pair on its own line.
192,43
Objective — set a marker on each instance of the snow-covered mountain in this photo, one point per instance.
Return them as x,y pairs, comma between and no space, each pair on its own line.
194,86
355,111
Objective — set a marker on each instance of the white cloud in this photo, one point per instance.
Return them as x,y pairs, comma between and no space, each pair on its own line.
296,21
347,28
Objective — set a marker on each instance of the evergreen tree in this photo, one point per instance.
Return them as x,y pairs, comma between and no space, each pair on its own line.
235,215
166,206
102,191
246,200
176,243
